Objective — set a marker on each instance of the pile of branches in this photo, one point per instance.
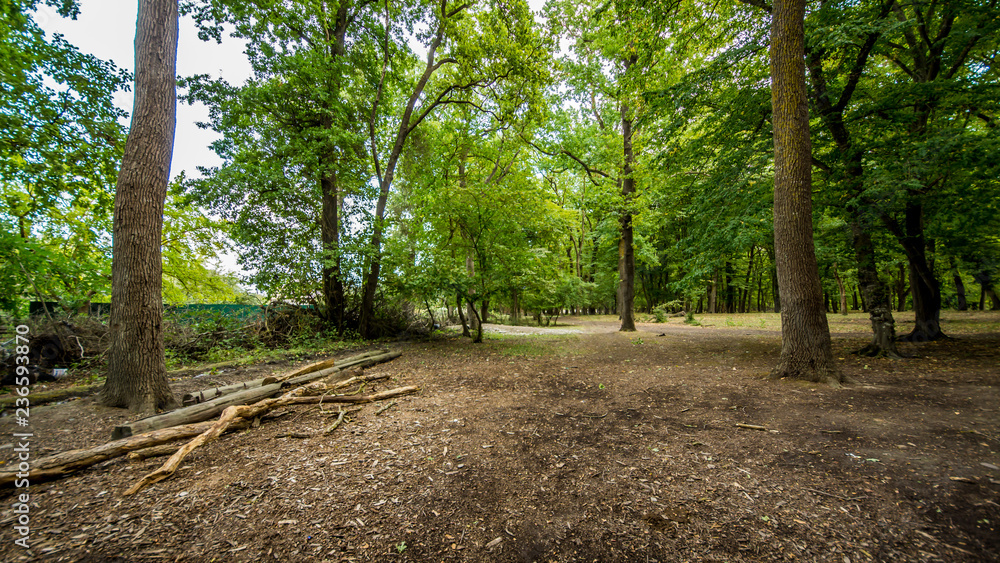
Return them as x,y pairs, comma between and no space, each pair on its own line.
316,384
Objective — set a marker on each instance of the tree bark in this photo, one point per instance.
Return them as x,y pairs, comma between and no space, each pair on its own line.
924,286
985,281
459,304
136,365
875,296
806,351
333,284
211,408
962,304
626,249
843,291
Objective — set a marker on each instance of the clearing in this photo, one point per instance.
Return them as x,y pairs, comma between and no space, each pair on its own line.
577,443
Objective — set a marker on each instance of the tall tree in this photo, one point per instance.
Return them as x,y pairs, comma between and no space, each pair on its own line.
489,47
805,336
136,365
60,145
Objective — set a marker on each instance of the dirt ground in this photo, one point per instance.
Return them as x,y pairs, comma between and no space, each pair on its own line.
579,444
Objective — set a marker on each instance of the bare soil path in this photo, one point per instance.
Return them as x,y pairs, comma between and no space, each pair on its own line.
590,445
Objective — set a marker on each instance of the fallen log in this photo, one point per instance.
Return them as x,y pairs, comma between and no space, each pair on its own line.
233,413
343,363
210,409
59,465
215,392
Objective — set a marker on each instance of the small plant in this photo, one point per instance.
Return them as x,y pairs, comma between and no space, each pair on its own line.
637,341
690,320
401,547
660,313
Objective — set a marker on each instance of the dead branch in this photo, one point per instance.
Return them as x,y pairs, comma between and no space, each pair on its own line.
212,408
230,414
59,465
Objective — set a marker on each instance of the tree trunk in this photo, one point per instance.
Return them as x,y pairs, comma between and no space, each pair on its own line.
843,291
875,296
730,305
459,304
713,293
333,285
985,281
136,365
626,251
479,322
385,184
806,351
470,312
962,304
924,286
900,288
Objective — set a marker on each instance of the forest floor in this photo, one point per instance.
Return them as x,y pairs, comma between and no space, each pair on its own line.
575,443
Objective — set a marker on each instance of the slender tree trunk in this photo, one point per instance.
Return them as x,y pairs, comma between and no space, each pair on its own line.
385,184
901,289
333,285
626,251
136,365
713,293
479,322
729,305
962,304
459,304
745,298
985,281
806,351
843,291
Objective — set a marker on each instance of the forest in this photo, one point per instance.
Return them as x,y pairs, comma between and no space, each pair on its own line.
548,280
423,155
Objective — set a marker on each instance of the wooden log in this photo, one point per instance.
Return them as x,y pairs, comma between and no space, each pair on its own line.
235,412
216,392
355,399
210,409
59,465
353,360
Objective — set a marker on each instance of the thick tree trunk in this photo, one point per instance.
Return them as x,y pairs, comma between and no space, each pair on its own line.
333,285
924,286
626,250
806,351
136,366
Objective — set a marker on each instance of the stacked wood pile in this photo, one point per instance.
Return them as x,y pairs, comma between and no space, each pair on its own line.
240,406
